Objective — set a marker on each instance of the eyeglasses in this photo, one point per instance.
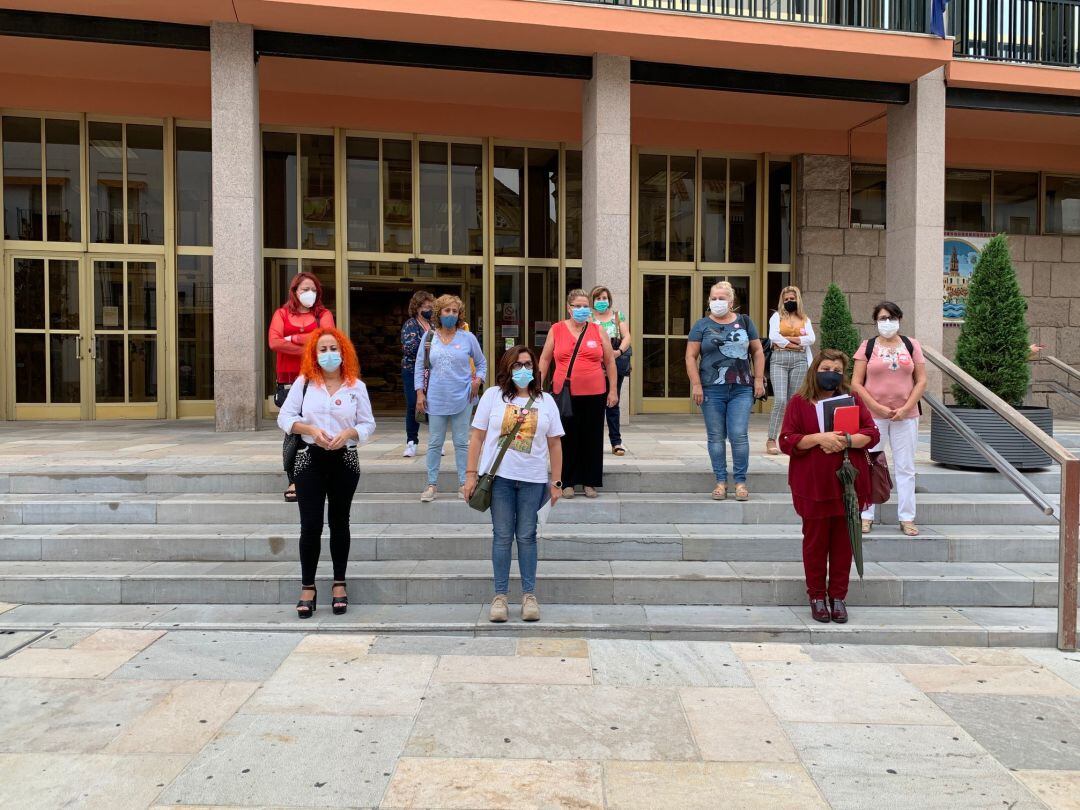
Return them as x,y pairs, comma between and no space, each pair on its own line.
518,366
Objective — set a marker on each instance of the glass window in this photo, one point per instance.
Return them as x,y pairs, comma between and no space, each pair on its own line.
145,185
29,367
780,212
543,190
776,282
279,190
278,274
573,204
743,211
1063,205
22,179
106,182
713,209
434,192
545,304
967,200
509,211
573,280
362,189
509,306
867,194
1016,202
64,182
652,207
194,181
397,196
195,326
317,186
681,208
467,195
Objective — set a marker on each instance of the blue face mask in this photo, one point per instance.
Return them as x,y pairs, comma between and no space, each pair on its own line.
601,306
580,314
330,361
522,377
448,321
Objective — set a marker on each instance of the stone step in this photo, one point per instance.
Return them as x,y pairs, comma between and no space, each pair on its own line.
961,627
598,541
449,509
595,582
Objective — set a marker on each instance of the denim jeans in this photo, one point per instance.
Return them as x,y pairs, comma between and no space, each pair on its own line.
726,409
412,427
514,505
459,429
614,414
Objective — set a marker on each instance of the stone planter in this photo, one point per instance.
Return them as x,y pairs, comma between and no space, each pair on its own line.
949,448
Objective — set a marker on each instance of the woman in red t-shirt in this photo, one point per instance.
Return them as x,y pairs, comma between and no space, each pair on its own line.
592,382
290,329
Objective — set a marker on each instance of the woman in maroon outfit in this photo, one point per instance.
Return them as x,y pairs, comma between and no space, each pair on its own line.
816,492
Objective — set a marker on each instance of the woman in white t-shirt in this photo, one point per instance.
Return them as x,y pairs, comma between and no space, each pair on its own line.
523,483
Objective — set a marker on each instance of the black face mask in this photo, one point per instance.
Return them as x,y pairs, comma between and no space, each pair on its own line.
829,380
791,306
427,313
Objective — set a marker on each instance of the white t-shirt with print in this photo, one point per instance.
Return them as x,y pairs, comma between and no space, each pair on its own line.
527,457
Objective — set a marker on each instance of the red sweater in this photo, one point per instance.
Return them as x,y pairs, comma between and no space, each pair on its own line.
815,490
299,326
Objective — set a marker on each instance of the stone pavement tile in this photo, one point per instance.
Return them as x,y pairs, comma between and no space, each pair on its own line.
512,669
441,645
1028,732
1064,665
215,656
88,781
12,640
62,638
878,654
843,693
708,785
52,714
185,720
980,679
1060,790
288,760
931,767
556,647
479,784
343,644
345,685
666,663
735,725
6,606
989,656
72,663
119,640
551,722
770,651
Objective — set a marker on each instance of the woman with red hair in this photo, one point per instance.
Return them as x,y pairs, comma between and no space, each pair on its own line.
328,407
290,329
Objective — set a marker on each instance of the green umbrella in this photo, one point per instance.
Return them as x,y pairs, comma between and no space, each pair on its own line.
847,475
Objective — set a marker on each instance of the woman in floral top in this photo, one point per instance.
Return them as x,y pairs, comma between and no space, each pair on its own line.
412,332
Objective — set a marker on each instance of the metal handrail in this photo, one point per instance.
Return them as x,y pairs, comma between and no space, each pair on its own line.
1058,364
1069,512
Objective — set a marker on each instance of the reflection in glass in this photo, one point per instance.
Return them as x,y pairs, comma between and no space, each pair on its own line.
743,211
467,195
142,295
194,176
1016,202
29,368
780,212
509,306
29,293
142,368
678,381
324,270
653,366
680,306
279,190
654,290
573,204
652,207
545,304
868,189
742,296
64,369
145,185
475,303
714,209
109,295
63,294
681,234
22,178
1063,205
434,191
277,275
317,187
573,282
362,187
397,197
776,282
195,326
967,200
509,209
543,191
109,368
62,165
106,182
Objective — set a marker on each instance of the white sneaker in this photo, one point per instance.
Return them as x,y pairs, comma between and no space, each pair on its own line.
428,495
443,451
410,450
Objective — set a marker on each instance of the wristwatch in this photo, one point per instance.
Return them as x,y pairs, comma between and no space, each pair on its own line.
557,484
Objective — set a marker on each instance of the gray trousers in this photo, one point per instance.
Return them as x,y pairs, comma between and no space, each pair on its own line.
787,370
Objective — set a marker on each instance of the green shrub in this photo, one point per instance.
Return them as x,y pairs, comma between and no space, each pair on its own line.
836,329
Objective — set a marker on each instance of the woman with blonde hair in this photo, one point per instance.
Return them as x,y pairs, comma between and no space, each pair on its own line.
791,335
447,386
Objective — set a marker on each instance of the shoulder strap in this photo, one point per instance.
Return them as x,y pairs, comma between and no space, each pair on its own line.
907,342
302,395
427,348
573,357
504,441
870,348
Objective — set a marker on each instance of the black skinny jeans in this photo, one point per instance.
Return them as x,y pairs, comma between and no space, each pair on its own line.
325,477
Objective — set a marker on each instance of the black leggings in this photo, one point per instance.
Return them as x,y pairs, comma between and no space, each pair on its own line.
325,477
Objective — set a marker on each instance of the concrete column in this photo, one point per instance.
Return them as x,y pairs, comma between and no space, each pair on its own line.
238,338
605,164
915,212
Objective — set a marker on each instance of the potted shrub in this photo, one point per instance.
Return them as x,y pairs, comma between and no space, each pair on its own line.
836,328
993,347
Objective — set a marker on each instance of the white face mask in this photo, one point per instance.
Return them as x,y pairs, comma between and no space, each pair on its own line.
307,298
888,329
719,307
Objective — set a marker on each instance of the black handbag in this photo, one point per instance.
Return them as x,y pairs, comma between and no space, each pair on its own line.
562,399
281,393
421,416
480,500
622,362
291,446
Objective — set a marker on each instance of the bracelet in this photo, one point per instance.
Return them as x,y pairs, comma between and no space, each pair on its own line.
474,472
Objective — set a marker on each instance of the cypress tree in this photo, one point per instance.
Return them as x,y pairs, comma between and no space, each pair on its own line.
994,343
837,329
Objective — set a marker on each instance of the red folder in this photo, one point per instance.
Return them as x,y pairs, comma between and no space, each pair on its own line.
846,419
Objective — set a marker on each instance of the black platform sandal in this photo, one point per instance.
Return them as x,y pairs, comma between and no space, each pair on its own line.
339,604
306,607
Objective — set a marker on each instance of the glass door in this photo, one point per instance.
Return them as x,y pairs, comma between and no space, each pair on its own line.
668,312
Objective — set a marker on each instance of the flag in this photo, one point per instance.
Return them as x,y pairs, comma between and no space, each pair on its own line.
937,18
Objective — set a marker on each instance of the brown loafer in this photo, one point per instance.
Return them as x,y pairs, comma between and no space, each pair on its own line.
819,611
839,611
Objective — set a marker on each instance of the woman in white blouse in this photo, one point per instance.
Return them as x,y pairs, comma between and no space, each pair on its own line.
328,408
791,336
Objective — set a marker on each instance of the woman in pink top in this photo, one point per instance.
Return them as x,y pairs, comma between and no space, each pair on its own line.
890,377
592,384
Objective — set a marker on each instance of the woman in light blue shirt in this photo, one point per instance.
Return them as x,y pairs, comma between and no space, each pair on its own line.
448,387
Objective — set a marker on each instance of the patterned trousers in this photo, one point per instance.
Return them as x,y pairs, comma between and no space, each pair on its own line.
787,370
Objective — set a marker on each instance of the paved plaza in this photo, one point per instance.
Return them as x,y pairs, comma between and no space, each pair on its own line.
135,719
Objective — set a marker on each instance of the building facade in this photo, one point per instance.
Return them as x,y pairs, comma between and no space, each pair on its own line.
168,167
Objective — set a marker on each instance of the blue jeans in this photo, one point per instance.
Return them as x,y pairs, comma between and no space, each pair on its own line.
614,414
726,409
459,429
514,505
412,427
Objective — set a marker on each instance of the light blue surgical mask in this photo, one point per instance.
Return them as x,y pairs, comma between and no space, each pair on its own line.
580,314
522,377
601,306
448,321
330,361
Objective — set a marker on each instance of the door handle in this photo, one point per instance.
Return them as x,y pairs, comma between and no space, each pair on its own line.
93,348
78,347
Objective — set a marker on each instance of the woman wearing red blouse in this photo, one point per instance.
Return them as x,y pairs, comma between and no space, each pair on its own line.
290,329
592,391
816,492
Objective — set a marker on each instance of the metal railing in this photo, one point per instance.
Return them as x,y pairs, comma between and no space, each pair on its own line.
1068,513
1044,32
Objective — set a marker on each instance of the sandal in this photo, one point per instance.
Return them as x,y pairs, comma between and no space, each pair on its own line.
741,492
618,450
568,492
771,449
867,526
590,492
909,528
339,604
720,493
305,607
290,495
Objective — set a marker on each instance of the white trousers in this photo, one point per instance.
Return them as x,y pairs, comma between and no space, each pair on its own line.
902,438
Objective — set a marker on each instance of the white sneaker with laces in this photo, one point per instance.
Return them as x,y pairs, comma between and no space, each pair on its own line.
410,450
428,495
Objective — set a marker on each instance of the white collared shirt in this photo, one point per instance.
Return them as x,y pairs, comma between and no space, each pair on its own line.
348,407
